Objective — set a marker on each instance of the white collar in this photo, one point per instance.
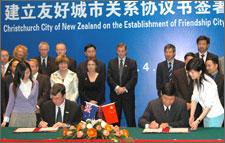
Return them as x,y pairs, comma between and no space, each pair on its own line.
35,75
166,107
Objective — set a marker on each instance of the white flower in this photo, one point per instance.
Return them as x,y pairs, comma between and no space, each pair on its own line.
89,126
103,123
93,122
88,120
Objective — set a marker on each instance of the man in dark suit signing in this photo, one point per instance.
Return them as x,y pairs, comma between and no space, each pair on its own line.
203,45
212,65
122,78
46,63
165,69
90,52
61,51
59,112
165,111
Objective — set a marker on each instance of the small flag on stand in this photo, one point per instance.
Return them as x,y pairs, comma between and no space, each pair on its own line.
110,113
90,111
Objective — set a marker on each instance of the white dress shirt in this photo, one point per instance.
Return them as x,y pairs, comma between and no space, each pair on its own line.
62,107
26,87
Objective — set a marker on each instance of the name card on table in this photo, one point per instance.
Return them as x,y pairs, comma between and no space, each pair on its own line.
167,130
32,130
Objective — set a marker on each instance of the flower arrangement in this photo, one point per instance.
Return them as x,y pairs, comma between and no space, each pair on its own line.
95,129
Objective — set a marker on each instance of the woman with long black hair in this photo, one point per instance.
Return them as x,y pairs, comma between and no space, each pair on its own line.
23,94
205,92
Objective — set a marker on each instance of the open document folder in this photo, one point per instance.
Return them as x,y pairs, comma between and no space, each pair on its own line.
31,130
167,130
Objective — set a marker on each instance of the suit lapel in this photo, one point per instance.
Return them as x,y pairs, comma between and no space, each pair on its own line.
66,112
117,67
184,75
52,114
126,63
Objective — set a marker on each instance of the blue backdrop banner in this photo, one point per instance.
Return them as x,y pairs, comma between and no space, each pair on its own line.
144,26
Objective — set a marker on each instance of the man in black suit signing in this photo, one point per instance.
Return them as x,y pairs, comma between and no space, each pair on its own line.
165,69
59,112
203,45
122,78
165,111
46,63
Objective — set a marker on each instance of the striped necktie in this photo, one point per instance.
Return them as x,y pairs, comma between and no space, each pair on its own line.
170,71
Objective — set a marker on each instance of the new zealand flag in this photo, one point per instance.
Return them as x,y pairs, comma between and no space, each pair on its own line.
90,111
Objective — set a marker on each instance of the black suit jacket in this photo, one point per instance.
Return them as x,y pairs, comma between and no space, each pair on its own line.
183,89
72,113
220,86
82,69
129,76
162,74
209,55
6,81
178,115
44,88
8,70
72,64
51,65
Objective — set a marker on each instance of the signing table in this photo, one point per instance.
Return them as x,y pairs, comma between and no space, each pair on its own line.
201,135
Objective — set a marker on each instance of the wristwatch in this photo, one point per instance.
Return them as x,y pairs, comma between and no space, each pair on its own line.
199,121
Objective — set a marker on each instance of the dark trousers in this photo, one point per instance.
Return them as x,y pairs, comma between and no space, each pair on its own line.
126,103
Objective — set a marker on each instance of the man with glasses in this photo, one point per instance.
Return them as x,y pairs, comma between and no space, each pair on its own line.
46,63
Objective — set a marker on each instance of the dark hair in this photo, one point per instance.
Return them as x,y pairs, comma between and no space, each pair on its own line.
89,46
19,74
169,89
197,64
169,46
214,60
92,59
58,88
189,54
203,38
121,45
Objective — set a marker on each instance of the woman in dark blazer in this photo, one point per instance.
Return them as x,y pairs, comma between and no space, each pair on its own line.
92,85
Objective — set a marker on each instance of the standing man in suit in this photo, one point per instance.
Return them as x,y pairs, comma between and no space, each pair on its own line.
212,65
47,63
165,111
90,52
59,112
165,69
44,83
61,51
5,70
221,63
184,85
203,45
122,78
5,83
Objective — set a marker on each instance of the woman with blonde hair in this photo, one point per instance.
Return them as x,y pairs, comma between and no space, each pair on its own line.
66,77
